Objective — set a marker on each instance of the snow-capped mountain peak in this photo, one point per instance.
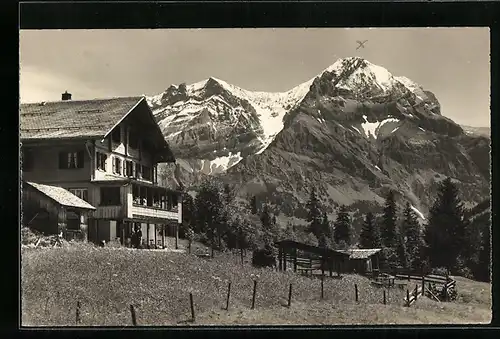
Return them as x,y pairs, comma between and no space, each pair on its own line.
213,119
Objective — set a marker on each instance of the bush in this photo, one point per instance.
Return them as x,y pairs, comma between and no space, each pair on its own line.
263,258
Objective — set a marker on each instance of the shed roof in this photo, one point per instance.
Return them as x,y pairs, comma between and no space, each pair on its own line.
61,196
310,248
357,253
73,118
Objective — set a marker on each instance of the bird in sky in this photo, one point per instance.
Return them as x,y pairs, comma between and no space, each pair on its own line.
361,44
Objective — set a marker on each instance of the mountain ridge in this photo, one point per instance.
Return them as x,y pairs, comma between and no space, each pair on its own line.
355,128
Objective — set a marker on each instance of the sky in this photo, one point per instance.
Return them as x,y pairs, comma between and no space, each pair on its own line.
453,63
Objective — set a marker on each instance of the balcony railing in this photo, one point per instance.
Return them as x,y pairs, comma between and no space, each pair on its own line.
152,211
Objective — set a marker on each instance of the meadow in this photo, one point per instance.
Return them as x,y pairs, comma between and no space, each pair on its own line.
106,281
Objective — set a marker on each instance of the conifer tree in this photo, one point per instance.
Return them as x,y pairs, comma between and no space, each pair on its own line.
342,230
188,217
388,229
444,234
370,233
253,205
314,214
401,257
209,210
410,230
267,226
325,232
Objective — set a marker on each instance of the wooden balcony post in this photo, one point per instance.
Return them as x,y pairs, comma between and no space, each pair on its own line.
156,243
163,235
176,236
122,225
147,234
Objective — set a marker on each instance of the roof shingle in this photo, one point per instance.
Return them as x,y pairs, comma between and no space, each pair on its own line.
73,118
61,196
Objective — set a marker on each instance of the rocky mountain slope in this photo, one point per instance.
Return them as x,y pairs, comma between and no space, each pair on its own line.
354,131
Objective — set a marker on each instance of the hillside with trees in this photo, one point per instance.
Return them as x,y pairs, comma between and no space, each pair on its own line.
452,238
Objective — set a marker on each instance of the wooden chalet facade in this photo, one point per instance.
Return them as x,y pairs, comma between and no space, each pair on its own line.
106,153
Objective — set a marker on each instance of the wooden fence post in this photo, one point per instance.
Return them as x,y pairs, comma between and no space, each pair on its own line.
356,291
322,287
192,307
385,301
290,296
295,260
416,291
78,312
132,313
423,285
254,293
228,295
407,298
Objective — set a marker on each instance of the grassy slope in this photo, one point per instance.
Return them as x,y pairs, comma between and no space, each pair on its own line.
106,281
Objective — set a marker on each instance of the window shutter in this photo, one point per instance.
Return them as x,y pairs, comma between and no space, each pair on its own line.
79,159
62,160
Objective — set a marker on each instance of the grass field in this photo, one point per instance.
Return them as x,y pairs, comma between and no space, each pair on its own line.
106,281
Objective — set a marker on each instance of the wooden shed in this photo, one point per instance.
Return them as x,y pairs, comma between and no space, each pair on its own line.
331,260
55,210
363,261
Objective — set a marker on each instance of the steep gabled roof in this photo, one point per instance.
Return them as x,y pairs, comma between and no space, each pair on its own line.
61,196
73,118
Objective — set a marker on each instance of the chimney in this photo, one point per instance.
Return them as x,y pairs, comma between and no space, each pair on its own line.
66,96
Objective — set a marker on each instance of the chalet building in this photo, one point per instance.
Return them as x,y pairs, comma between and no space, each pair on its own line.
90,168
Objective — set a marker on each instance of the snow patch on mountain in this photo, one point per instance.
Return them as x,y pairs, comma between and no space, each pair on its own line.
221,164
372,128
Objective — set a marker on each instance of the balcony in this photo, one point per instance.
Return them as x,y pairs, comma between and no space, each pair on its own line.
145,201
152,212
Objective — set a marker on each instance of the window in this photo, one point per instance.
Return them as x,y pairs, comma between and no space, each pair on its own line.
133,139
174,199
81,193
117,165
136,195
27,159
138,171
129,168
146,172
71,160
110,196
116,135
101,161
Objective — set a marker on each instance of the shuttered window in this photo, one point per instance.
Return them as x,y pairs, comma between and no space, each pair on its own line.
101,161
129,169
138,170
117,165
71,160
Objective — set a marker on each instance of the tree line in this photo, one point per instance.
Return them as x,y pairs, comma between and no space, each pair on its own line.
451,238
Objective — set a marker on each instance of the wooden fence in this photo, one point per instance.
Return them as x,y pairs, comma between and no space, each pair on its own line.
422,289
